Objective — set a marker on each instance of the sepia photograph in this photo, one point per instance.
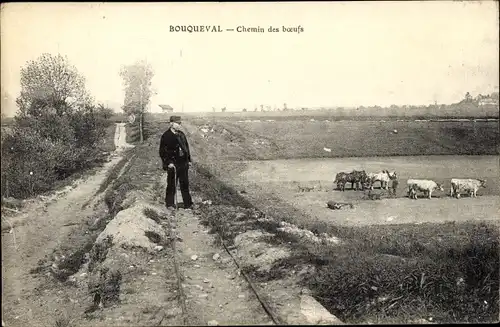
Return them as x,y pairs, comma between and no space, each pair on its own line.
250,163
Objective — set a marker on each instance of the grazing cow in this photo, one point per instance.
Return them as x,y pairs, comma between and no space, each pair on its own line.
470,186
357,178
340,180
423,185
383,177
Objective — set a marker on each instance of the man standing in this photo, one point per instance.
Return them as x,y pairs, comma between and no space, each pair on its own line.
395,184
176,159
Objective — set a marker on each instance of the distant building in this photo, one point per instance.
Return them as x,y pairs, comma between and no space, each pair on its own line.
166,108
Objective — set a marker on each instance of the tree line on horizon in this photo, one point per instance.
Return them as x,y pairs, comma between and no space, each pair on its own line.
467,100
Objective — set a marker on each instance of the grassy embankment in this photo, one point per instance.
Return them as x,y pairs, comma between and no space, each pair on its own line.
304,139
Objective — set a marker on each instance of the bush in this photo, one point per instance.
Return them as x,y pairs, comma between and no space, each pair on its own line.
28,162
89,126
48,147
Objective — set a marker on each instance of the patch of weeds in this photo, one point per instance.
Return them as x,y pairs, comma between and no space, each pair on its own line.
72,263
113,173
209,186
115,196
38,269
70,256
252,272
153,237
215,217
107,289
230,221
287,238
111,288
63,321
99,252
270,226
42,265
460,286
153,214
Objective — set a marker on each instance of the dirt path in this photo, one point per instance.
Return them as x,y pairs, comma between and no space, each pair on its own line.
38,230
120,137
215,290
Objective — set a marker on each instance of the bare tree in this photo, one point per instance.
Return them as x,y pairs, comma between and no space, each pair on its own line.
137,82
51,81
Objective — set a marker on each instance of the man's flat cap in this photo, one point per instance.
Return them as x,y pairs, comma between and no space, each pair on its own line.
176,119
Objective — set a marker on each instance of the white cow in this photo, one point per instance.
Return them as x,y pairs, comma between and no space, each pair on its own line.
383,177
470,186
422,185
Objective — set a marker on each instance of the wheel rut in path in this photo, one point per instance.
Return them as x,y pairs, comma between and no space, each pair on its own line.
214,289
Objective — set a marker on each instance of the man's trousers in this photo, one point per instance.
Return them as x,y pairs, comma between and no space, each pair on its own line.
182,176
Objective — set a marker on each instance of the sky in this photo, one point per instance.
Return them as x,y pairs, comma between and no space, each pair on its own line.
348,54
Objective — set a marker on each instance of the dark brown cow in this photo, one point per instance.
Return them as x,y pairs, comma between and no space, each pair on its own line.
357,178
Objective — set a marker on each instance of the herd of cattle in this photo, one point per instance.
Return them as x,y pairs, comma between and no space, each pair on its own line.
359,179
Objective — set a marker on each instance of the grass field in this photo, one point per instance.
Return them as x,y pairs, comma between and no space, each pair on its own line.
305,139
359,113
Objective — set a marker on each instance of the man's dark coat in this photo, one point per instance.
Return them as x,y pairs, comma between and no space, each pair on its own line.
169,148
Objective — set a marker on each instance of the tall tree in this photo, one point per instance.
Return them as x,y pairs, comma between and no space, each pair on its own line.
137,82
51,81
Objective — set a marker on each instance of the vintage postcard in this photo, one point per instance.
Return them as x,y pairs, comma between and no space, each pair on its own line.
249,163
